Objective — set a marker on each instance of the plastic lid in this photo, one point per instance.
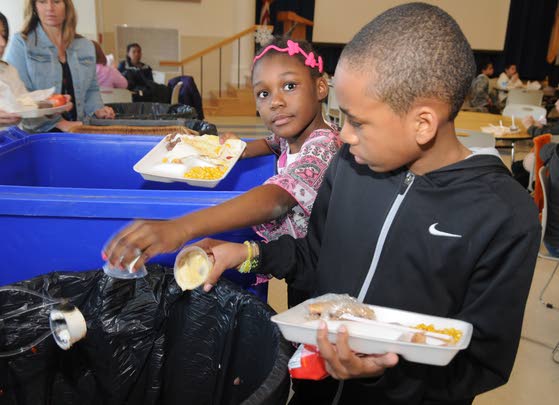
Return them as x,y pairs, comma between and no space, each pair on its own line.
126,273
192,267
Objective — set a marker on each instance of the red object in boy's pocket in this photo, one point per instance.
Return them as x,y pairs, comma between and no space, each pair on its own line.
306,364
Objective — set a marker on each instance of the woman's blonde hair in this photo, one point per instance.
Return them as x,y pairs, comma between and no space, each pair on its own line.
31,20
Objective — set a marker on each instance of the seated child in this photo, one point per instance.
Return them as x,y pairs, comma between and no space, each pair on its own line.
289,88
507,80
409,218
107,75
480,97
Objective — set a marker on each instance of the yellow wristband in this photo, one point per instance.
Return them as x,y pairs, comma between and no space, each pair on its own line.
251,260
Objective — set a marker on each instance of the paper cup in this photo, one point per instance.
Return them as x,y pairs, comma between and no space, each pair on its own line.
67,325
192,267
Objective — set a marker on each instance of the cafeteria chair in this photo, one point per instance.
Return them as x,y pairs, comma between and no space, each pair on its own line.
112,95
524,96
175,93
544,180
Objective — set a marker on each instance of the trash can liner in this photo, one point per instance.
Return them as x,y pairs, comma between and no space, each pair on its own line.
147,342
145,110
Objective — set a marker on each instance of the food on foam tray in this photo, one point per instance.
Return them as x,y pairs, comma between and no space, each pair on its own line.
337,306
205,173
202,157
454,333
57,100
35,100
204,146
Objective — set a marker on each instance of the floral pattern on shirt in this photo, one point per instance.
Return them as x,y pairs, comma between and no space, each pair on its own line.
301,179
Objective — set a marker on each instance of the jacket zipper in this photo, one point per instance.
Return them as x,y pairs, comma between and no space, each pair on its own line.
404,188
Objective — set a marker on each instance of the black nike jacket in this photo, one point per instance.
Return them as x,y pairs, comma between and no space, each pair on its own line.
458,242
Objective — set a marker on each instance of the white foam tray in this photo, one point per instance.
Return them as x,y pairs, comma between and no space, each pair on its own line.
40,112
373,339
155,156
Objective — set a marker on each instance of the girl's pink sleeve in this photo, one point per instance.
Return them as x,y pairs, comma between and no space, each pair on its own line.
119,81
303,177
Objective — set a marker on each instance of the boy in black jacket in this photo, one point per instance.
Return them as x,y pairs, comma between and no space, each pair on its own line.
409,218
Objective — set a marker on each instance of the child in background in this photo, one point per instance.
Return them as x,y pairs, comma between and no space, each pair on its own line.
507,80
107,75
480,97
409,218
289,87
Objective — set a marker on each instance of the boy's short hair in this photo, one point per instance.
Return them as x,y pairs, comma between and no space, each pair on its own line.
484,65
415,50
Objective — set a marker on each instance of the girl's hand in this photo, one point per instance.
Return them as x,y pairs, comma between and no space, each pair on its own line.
105,113
342,363
231,135
7,118
225,255
145,239
226,136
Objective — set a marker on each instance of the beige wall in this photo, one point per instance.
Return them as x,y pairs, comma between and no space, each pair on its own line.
484,22
200,25
212,18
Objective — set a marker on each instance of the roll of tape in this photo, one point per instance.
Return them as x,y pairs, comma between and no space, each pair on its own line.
67,325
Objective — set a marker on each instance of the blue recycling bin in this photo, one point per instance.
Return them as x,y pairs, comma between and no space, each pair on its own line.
62,196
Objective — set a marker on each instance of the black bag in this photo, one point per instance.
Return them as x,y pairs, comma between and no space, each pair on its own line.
154,114
147,342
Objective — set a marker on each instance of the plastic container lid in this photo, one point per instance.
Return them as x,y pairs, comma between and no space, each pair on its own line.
126,273
192,267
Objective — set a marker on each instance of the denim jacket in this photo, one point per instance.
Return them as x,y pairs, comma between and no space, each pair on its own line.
36,60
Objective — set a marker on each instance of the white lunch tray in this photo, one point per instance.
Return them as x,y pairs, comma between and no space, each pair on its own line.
40,112
373,339
155,157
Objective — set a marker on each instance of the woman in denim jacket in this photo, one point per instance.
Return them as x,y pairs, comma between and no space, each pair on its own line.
48,53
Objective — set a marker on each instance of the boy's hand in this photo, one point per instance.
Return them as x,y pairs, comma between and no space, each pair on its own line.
225,255
145,239
342,363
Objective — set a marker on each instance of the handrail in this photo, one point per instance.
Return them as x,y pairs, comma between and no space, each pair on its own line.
212,48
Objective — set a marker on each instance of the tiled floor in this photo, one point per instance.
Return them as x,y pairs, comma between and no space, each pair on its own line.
535,376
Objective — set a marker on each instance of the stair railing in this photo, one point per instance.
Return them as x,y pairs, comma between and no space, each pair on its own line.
218,46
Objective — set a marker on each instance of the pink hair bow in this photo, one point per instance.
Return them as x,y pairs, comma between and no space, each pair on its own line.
293,48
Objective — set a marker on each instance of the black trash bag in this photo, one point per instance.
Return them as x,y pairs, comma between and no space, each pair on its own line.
202,127
152,111
147,343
